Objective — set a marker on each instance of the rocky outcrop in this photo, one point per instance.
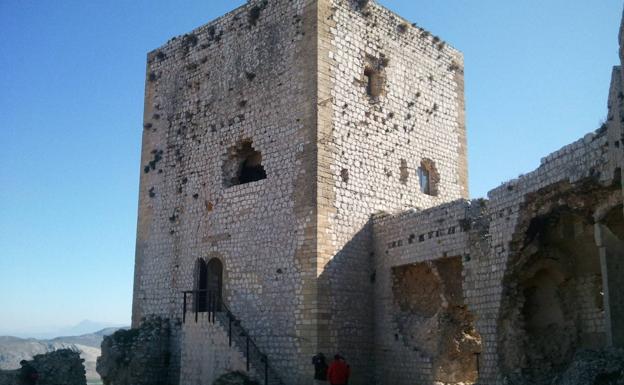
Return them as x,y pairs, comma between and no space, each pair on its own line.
588,367
137,356
62,366
594,368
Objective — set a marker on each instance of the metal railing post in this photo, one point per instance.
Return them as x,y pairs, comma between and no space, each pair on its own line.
247,350
214,306
230,329
209,300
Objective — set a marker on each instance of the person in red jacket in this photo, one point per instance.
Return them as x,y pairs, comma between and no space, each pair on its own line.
338,372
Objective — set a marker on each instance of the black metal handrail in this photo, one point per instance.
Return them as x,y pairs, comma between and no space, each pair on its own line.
210,302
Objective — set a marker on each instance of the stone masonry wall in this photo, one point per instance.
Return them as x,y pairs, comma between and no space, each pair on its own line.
244,76
349,107
139,356
370,150
487,235
572,164
206,353
456,229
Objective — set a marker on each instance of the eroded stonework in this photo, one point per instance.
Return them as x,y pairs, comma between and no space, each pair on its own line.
304,181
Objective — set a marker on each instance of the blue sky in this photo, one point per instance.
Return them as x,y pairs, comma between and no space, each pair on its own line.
71,102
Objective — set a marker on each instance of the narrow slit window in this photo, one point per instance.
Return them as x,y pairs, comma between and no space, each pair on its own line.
428,177
425,181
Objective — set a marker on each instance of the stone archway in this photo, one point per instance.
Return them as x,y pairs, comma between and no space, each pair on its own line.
553,303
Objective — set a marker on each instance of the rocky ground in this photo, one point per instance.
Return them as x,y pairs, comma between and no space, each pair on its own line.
589,367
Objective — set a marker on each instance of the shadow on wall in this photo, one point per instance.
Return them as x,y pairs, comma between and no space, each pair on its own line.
431,317
346,302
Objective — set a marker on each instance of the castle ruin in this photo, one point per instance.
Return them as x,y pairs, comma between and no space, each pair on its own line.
304,189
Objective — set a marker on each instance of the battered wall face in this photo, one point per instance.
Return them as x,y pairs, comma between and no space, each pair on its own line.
240,78
394,99
412,238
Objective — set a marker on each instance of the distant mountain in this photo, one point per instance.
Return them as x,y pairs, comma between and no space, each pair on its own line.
83,327
86,327
13,349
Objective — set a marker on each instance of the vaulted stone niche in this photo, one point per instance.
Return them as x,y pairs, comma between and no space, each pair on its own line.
610,241
243,164
553,305
431,317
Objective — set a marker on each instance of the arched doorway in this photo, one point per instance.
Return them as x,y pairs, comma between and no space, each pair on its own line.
215,281
201,286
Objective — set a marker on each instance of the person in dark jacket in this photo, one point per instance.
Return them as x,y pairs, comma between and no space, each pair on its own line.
320,367
338,372
28,374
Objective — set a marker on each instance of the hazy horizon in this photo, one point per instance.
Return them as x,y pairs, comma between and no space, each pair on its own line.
55,331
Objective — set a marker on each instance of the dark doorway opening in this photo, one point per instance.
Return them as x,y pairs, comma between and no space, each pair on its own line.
201,286
215,280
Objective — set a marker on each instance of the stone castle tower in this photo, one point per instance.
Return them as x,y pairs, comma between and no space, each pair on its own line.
304,168
271,136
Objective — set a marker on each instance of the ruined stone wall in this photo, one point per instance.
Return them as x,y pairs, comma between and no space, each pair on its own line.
394,104
63,366
139,356
544,219
512,206
417,238
615,115
241,78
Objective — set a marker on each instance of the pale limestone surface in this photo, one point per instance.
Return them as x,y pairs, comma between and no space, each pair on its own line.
309,252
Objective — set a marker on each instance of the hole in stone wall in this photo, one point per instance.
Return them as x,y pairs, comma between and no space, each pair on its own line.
428,177
243,165
375,77
404,173
344,174
431,317
373,82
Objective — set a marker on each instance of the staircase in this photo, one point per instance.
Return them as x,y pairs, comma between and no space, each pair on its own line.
211,303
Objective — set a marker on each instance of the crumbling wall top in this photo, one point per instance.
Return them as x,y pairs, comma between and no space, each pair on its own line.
621,36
